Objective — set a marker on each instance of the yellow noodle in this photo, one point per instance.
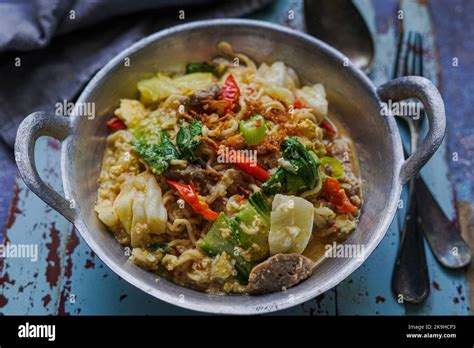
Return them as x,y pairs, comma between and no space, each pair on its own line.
234,125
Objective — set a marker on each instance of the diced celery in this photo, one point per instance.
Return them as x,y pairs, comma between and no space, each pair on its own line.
337,170
253,130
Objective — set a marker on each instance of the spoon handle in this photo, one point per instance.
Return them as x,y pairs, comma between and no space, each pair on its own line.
445,241
410,276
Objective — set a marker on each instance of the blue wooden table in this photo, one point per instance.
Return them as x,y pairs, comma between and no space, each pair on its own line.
67,278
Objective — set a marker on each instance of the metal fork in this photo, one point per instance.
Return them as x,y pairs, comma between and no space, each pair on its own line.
410,276
425,216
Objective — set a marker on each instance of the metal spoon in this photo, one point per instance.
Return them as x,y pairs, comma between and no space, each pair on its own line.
339,23
445,241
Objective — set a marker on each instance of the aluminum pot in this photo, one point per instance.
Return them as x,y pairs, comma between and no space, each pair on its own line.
350,93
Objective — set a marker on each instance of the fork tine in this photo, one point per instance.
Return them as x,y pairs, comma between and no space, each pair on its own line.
407,54
396,68
420,48
415,55
419,54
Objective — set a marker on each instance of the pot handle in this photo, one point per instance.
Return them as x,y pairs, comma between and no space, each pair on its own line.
34,126
423,89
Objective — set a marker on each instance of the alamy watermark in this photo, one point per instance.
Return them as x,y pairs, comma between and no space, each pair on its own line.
346,250
28,330
26,251
65,108
410,109
227,155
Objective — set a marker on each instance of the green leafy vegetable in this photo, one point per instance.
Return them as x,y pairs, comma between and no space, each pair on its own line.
298,169
277,183
259,202
252,225
156,150
221,237
253,130
192,68
188,139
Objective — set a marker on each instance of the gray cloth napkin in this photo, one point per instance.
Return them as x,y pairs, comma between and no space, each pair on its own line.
49,49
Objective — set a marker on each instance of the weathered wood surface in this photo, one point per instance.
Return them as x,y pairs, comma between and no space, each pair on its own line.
68,278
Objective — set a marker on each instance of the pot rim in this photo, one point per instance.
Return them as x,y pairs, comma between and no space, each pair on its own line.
273,304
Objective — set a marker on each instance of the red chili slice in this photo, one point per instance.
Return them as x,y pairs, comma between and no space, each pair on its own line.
333,193
327,125
246,165
190,196
298,104
230,91
116,124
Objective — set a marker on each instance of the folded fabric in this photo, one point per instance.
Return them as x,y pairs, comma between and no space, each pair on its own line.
49,49
31,24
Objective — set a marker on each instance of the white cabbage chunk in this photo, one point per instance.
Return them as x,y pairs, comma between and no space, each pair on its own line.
282,94
139,207
315,98
131,112
160,87
189,83
278,75
106,213
291,224
156,88
119,165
